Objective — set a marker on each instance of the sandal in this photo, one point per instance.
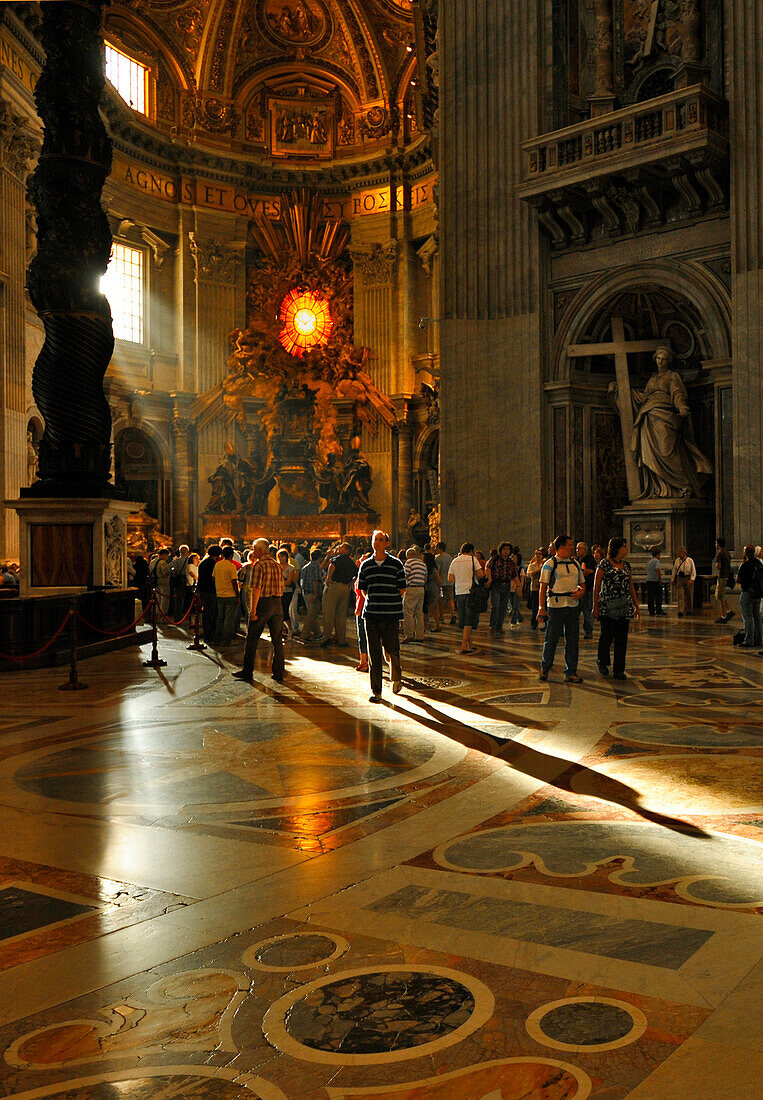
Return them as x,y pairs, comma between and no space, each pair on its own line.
361,668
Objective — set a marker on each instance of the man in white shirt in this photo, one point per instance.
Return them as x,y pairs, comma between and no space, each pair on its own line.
684,576
463,572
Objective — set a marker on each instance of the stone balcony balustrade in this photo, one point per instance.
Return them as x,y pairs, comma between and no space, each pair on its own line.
634,169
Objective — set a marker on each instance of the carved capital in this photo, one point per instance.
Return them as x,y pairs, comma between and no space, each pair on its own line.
214,260
428,252
18,145
378,264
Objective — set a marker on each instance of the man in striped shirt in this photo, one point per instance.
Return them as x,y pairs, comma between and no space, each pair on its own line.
382,579
267,610
415,586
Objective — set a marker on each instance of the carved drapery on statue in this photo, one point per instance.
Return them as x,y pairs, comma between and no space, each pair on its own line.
669,461
73,247
313,462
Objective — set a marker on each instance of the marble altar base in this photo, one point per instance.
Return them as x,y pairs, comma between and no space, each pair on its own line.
291,528
70,546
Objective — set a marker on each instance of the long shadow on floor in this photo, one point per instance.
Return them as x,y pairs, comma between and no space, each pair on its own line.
556,771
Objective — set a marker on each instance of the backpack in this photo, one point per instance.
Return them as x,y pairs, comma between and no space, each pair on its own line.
756,588
567,577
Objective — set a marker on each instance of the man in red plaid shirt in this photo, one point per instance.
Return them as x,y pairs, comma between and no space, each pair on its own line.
267,610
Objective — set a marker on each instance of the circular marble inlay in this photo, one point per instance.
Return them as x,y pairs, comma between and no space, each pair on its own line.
169,1082
373,1015
586,1023
690,737
239,765
295,951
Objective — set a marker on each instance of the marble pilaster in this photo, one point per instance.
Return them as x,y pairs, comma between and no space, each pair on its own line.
746,148
17,147
491,263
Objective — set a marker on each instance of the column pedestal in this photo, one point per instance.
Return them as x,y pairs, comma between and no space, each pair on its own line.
70,546
666,525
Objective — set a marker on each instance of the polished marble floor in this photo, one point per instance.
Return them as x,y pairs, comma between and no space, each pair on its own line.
487,888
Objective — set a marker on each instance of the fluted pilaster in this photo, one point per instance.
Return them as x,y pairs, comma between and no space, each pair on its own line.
17,147
746,49
490,338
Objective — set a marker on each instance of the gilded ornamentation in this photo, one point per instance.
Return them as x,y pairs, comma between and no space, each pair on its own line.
299,397
115,532
378,264
18,146
214,261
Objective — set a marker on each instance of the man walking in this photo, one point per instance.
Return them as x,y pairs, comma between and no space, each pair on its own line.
340,574
382,579
561,589
684,576
587,563
415,585
267,610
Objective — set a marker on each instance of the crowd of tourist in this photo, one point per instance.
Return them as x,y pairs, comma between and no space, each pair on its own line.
309,591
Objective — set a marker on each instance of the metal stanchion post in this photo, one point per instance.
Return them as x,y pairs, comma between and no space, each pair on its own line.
197,642
73,683
154,661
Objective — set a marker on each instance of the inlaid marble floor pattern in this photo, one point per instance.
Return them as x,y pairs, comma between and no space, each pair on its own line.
488,888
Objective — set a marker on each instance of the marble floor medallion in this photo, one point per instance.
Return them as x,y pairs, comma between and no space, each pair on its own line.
370,1015
162,1083
504,1079
586,1023
713,869
299,951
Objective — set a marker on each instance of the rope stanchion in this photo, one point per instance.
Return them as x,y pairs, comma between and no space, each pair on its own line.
73,683
197,644
154,661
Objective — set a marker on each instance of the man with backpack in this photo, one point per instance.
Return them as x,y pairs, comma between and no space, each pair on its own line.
562,586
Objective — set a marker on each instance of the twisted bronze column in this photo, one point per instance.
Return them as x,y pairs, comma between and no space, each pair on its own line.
73,247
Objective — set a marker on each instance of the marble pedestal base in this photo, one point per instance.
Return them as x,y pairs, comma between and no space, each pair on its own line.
69,546
666,525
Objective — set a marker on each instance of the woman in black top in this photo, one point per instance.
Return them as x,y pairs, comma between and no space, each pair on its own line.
750,579
615,603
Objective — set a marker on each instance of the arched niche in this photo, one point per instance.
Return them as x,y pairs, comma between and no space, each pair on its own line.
426,471
682,305
34,430
139,470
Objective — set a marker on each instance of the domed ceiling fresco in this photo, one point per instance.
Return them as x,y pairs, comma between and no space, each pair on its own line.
301,81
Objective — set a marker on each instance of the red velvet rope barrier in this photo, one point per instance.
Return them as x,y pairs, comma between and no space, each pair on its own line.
48,644
115,633
172,622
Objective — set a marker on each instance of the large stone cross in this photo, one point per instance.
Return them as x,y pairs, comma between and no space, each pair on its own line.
619,347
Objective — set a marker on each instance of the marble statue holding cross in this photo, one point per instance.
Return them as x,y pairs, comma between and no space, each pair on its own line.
669,461
661,458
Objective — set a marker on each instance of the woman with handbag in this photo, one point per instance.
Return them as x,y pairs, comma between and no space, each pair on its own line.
466,575
615,603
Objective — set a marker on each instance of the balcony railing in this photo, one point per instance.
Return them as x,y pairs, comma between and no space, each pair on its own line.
682,122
